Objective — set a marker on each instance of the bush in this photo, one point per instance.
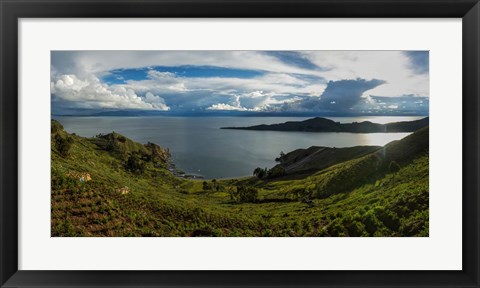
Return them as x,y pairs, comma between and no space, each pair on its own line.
206,186
371,222
389,218
260,173
355,229
56,127
281,158
63,144
275,172
244,194
135,164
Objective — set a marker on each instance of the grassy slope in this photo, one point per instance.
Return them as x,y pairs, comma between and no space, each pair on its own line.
160,204
316,158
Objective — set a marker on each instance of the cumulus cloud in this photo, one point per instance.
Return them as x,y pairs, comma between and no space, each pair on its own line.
339,96
240,104
394,67
90,93
226,107
407,104
157,102
284,81
344,94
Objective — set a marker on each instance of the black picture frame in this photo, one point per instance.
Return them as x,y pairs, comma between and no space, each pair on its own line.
11,11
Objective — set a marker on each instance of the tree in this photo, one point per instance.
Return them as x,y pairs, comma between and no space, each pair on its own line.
256,171
214,185
394,168
259,172
135,164
281,158
205,185
63,144
244,194
275,172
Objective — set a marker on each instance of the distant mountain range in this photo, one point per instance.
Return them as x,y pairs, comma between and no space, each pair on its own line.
320,124
147,113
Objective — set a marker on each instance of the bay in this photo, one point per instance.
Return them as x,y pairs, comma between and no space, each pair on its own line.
199,147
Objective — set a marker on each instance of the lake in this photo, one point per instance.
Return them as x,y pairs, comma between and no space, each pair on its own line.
199,147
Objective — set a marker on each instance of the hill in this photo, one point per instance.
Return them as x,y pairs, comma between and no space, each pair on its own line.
110,185
316,158
320,124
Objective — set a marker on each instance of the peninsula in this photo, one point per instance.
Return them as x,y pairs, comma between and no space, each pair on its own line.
320,124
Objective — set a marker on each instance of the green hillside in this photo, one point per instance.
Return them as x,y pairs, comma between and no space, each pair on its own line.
109,185
316,158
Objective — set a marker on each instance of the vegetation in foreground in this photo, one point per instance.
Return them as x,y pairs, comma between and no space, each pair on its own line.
111,186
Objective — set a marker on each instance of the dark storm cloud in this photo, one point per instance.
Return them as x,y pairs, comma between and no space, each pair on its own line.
343,94
339,96
419,61
294,58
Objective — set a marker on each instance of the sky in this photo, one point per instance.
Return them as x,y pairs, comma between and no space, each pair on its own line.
334,83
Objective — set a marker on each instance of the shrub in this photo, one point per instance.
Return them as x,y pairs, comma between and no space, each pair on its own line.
63,144
371,222
244,194
281,158
259,172
56,127
394,168
275,172
206,186
389,218
113,146
356,229
336,228
135,164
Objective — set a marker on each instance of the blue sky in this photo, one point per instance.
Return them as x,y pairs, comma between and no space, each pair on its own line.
250,82
121,76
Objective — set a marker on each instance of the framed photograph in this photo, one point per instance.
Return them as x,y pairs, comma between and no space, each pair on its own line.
239,144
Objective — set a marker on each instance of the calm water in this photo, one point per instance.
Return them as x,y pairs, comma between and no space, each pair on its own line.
199,147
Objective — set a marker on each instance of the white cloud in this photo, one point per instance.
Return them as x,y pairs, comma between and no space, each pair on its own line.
94,62
156,101
394,67
91,93
76,78
236,105
226,107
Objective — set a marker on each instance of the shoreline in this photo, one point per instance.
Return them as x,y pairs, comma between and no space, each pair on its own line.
172,168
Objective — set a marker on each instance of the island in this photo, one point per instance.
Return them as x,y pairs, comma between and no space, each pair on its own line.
319,124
